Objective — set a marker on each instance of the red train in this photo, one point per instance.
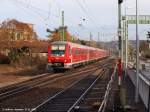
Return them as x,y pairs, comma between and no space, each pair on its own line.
66,55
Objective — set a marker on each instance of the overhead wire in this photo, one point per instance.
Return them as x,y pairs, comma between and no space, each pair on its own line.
50,8
27,6
86,13
28,12
87,7
90,12
92,17
38,11
32,13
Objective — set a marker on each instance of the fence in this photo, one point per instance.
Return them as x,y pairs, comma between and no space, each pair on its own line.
144,87
107,93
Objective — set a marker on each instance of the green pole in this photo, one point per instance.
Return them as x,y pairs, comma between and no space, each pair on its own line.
63,32
90,39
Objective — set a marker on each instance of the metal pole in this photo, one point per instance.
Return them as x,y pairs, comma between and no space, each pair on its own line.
63,32
98,40
126,47
137,56
126,40
123,45
120,44
90,39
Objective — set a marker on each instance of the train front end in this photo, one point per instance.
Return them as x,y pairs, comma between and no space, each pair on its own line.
58,55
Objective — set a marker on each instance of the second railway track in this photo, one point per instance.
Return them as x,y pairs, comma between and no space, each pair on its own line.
65,99
30,99
77,93
32,83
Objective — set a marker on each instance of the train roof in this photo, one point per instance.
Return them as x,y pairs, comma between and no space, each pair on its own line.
76,45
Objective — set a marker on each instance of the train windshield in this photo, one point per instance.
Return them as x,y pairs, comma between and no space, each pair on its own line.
58,50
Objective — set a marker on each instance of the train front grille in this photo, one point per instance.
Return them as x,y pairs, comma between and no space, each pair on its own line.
58,64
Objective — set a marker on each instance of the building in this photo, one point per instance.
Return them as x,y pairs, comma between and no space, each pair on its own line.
17,30
15,34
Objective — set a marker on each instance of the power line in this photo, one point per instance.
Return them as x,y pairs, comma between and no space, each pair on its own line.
38,12
35,13
50,8
85,3
85,11
29,12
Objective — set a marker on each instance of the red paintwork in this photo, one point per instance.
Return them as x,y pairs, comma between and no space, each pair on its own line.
79,53
49,54
119,67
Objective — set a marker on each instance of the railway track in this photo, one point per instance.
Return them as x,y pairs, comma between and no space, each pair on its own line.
32,83
91,100
43,91
87,90
25,86
65,100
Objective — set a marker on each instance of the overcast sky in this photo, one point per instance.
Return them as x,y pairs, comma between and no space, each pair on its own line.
100,16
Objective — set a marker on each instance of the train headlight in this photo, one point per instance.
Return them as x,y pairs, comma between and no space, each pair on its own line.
65,61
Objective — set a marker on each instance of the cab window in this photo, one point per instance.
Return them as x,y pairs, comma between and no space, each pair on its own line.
58,50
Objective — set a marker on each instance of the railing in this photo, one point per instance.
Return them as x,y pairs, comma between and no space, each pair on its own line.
107,93
144,88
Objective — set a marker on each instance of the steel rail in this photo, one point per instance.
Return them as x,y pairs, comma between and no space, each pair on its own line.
90,87
109,87
20,85
59,93
8,88
28,87
32,83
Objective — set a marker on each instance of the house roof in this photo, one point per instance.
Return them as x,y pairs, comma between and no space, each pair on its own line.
21,26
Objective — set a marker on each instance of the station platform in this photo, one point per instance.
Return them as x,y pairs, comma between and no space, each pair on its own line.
146,74
129,88
144,68
122,99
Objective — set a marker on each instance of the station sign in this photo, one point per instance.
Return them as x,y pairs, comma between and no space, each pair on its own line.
142,19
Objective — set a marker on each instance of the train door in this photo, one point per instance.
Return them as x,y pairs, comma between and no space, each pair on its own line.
49,53
70,54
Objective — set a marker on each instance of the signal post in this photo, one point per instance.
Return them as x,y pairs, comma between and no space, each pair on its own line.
119,43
